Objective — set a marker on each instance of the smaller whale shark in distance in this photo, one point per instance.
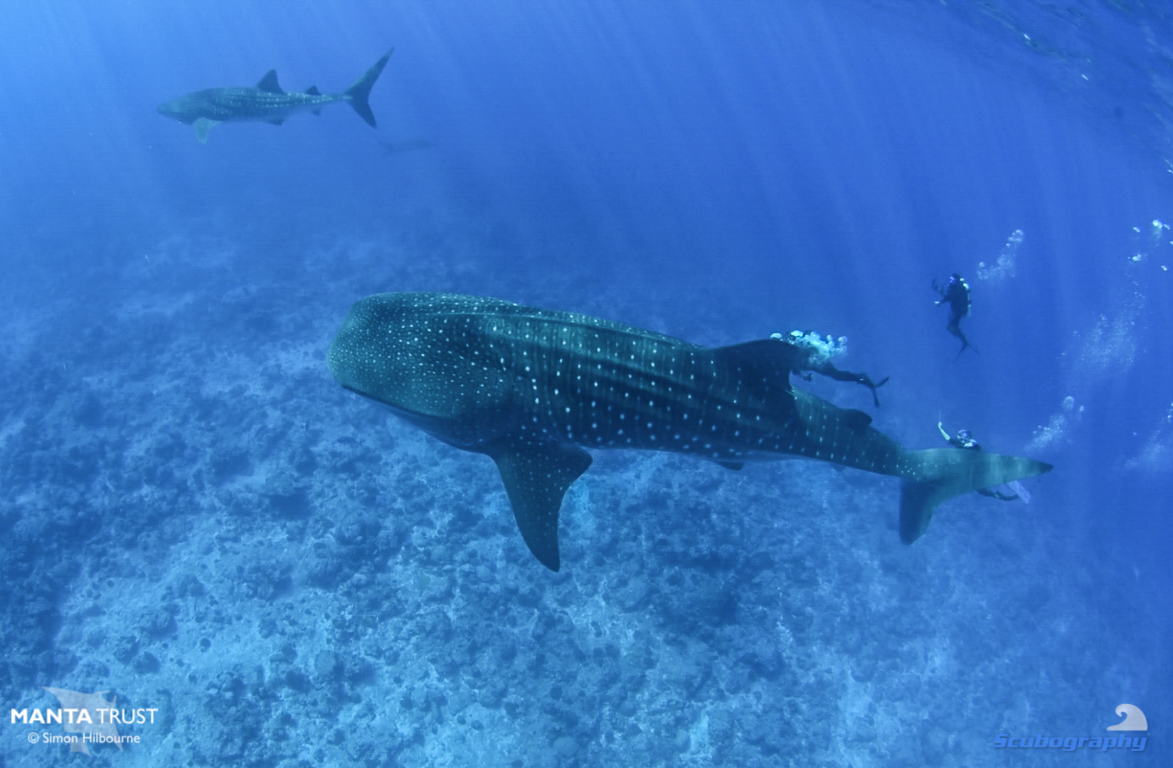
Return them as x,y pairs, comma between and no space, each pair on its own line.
534,388
267,103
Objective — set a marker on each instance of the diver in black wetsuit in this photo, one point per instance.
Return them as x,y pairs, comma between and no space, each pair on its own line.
956,295
965,440
810,353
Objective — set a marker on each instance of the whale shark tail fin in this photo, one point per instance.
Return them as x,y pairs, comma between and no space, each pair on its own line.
358,94
942,473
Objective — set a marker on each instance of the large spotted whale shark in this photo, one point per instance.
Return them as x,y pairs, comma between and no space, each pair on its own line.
534,388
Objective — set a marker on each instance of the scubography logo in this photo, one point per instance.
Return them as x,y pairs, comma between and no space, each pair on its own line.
1134,720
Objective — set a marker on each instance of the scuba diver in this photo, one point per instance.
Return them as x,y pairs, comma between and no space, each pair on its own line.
956,295
812,353
965,440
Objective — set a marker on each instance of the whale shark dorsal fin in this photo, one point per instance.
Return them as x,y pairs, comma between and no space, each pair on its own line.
269,83
764,361
763,369
857,420
202,125
536,476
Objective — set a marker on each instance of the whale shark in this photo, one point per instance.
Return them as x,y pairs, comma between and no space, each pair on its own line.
534,389
267,103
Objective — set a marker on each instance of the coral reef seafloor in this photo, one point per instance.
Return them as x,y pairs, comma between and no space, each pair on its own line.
197,519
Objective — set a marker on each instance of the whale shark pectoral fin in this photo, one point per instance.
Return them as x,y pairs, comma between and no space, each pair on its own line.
202,125
734,465
536,477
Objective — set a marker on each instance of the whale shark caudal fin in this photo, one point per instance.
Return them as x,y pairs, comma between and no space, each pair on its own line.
942,473
536,477
356,95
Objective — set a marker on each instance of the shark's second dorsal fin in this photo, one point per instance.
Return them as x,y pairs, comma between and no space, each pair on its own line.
536,477
269,83
313,91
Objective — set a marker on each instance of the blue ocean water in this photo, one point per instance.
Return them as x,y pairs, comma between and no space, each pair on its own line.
199,521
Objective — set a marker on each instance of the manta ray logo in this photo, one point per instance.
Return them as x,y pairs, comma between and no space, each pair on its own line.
86,718
1134,720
